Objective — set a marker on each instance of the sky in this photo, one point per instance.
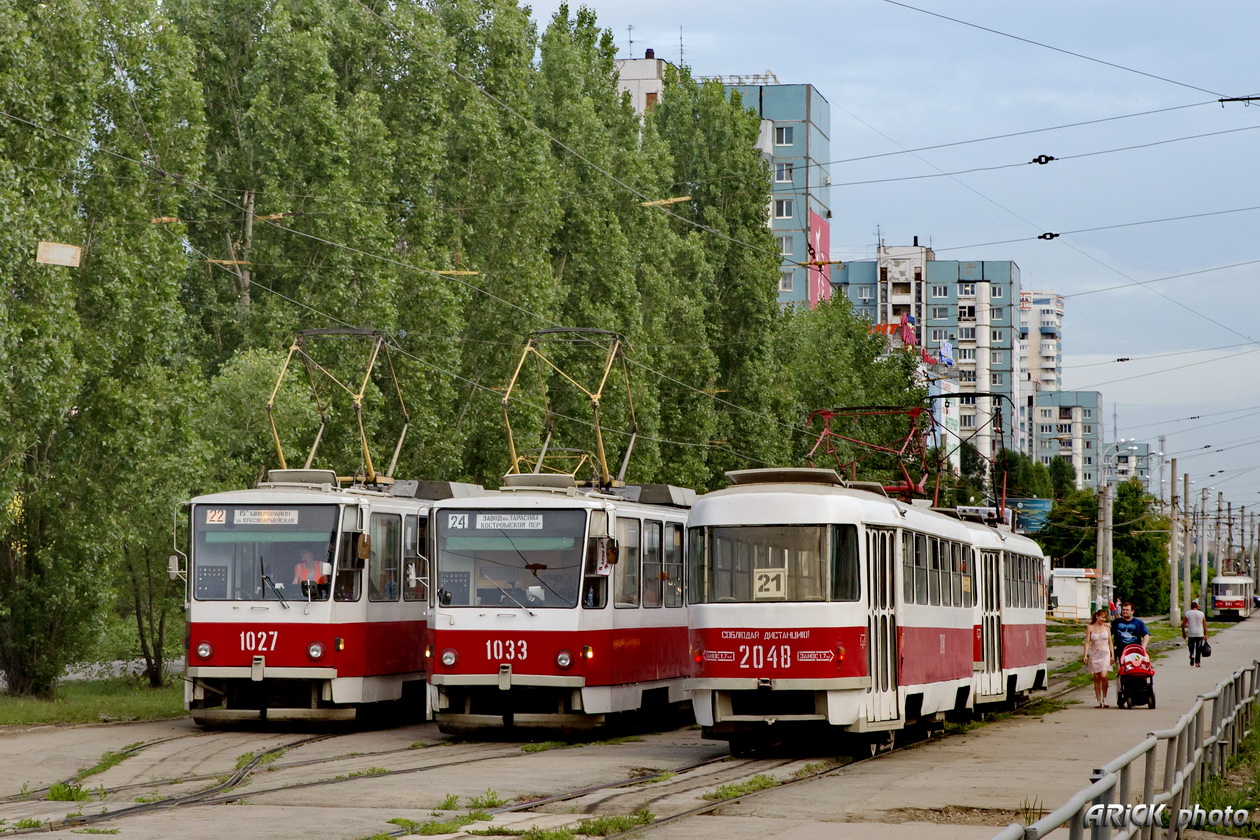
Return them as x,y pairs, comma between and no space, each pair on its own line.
1137,201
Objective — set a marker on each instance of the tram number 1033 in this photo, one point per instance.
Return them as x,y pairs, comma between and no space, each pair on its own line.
761,656
506,649
262,640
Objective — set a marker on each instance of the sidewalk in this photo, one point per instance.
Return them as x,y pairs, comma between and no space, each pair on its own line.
967,787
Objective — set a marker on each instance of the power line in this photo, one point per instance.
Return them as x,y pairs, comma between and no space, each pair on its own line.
1055,49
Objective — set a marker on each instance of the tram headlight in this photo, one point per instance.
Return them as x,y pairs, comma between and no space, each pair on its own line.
564,659
315,650
449,658
205,650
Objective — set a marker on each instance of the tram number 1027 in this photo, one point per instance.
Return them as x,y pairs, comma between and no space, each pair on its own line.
761,656
260,640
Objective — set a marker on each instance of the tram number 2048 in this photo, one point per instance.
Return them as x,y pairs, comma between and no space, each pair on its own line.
261,640
761,656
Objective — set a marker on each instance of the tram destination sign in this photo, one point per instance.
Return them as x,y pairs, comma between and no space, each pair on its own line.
264,516
510,521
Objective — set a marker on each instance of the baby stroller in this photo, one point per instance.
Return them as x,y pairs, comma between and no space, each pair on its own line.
1137,679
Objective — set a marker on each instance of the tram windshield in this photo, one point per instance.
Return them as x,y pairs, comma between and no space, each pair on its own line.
752,563
1228,588
262,552
509,558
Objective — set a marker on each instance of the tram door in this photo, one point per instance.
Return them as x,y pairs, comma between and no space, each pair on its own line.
991,623
881,626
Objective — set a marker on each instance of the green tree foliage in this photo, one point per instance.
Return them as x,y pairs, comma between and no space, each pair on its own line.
238,171
1062,477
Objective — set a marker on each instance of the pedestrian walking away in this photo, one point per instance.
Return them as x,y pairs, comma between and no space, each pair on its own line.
1194,631
1098,655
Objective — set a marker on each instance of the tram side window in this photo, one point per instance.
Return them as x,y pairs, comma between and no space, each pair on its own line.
672,568
907,561
653,596
845,583
697,580
920,570
383,560
348,584
415,542
626,572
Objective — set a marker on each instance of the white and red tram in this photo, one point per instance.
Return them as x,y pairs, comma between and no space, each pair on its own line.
813,605
1232,596
556,606
305,599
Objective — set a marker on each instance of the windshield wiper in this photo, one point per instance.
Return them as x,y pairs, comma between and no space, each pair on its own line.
532,568
262,570
506,594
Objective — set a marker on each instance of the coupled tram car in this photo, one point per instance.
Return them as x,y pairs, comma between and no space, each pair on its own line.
817,606
557,606
1233,596
307,600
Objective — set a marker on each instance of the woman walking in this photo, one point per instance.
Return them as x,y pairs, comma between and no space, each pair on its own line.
1099,654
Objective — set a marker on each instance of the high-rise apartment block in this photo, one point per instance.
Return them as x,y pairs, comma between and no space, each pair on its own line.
967,305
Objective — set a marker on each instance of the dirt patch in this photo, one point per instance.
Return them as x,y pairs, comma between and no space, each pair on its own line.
949,815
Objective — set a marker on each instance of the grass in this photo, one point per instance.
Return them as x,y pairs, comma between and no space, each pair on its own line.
71,792
91,701
449,803
1238,788
108,760
756,783
489,799
595,827
451,826
27,822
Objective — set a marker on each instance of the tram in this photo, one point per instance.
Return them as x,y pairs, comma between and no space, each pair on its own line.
556,606
1232,596
820,607
307,600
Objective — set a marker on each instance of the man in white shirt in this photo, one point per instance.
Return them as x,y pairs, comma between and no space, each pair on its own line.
1194,631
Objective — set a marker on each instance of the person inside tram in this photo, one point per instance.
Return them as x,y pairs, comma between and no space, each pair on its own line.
309,570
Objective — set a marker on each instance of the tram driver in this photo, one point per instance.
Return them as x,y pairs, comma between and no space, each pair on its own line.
309,571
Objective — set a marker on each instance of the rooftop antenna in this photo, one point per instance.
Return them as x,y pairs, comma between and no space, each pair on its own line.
680,48
630,36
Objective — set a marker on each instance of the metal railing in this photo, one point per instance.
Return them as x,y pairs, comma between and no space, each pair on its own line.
1200,745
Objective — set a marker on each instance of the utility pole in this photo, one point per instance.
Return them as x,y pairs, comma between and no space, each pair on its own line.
1187,551
1100,552
1174,610
1204,600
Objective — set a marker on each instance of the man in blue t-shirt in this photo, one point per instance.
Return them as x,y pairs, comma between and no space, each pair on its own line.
1128,630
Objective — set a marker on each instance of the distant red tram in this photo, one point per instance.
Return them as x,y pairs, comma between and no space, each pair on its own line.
816,606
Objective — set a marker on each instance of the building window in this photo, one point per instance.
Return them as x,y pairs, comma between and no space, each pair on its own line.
966,289
1089,444
649,100
938,335
999,336
785,281
998,313
783,172
997,378
785,245
996,292
966,313
940,291
783,135
966,376
1087,430
997,357
1046,428
965,354
967,421
940,313
966,333
783,208
1047,413
865,293
1087,412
